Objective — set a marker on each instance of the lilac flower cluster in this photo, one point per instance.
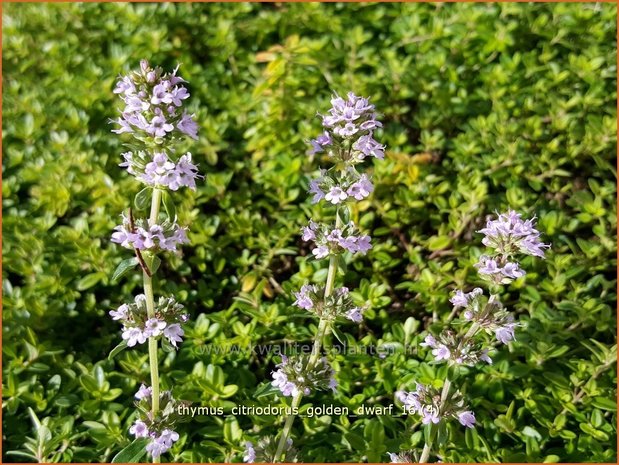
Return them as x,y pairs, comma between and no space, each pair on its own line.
138,327
166,236
339,303
160,428
456,349
295,375
426,401
153,104
335,241
159,170
352,185
486,314
154,116
508,236
349,130
265,450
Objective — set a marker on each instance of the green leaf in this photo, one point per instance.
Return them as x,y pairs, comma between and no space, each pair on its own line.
142,199
152,262
90,280
338,335
265,389
439,243
124,267
116,350
168,205
133,452
232,431
604,403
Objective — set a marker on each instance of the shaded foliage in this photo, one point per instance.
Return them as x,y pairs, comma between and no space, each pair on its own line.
485,107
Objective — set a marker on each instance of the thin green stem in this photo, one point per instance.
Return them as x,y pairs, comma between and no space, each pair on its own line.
427,447
153,360
445,392
425,453
296,401
321,333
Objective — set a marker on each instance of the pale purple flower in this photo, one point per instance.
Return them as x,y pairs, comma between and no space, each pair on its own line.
370,124
355,314
336,195
363,244
361,189
349,114
180,235
308,233
159,127
321,251
348,130
157,168
161,94
462,299
441,352
168,437
532,246
174,79
156,447
153,327
120,313
333,383
349,243
144,392
174,333
133,336
139,429
467,418
320,142
505,333
429,415
487,265
188,126
135,104
314,188
128,162
335,235
250,453
367,146
484,357
125,85
280,380
304,301
429,341
342,291
125,127
186,171
178,94
509,233
512,270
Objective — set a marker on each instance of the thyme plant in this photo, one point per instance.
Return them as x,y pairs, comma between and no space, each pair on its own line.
482,317
347,140
153,115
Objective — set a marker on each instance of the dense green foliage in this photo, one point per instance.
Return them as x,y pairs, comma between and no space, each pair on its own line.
485,107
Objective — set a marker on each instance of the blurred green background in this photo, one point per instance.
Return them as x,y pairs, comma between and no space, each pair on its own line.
485,107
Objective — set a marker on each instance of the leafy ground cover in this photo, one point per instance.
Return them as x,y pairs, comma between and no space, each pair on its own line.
485,107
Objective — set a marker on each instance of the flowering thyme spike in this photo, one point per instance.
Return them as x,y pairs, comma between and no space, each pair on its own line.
507,237
347,139
154,116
